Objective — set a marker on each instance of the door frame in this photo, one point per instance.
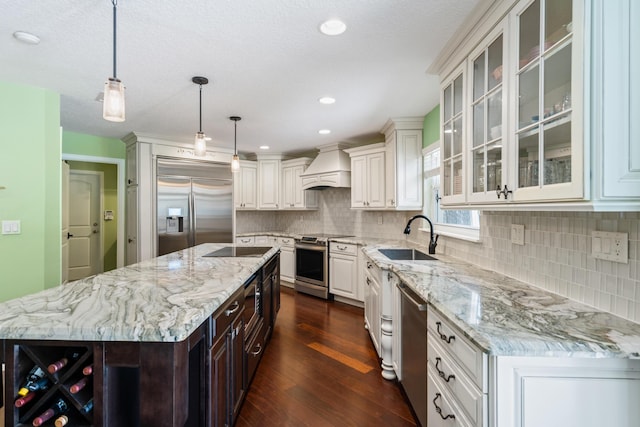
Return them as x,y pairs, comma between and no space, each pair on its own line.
120,164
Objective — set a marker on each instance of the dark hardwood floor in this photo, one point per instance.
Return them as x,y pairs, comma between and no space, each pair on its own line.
320,369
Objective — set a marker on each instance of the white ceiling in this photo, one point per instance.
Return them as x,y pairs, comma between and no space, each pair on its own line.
265,59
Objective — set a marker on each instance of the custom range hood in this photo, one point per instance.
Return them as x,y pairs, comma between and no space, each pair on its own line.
331,168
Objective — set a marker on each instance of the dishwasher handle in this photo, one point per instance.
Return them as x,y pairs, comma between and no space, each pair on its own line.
420,306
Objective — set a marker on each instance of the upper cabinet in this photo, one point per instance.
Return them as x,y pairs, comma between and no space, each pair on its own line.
269,182
244,185
403,163
293,196
537,107
389,175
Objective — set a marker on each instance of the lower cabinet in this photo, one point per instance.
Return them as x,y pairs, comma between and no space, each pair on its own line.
372,304
343,271
287,259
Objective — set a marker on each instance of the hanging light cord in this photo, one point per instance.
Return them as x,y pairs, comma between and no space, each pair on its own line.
115,3
200,108
235,133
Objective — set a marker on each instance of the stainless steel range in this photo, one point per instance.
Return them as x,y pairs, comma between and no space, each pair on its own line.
312,264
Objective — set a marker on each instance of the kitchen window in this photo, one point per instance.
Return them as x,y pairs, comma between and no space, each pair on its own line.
461,224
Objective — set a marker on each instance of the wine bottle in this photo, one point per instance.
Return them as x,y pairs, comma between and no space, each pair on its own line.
57,408
21,401
61,363
36,373
79,385
61,421
88,370
40,384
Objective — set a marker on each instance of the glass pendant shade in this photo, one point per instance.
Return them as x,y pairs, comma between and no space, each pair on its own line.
113,103
200,144
235,163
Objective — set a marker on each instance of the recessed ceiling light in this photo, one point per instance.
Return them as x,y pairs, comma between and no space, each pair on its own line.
333,27
264,147
326,100
25,37
324,131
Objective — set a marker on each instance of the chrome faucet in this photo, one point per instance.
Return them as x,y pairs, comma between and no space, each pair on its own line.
433,240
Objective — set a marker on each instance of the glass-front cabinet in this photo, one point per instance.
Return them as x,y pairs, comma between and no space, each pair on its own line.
487,149
452,136
548,137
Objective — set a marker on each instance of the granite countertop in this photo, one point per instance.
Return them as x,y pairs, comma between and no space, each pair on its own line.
163,299
506,317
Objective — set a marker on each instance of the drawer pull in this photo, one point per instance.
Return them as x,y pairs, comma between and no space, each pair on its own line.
439,409
236,306
443,337
368,281
342,248
369,265
257,351
441,373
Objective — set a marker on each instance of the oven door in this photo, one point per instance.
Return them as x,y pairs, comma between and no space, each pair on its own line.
311,267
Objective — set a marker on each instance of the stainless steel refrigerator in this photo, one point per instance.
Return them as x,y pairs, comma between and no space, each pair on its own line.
194,204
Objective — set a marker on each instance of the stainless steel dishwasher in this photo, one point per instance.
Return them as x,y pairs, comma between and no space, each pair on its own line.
414,350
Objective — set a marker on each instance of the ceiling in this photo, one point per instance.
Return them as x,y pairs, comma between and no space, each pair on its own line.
266,61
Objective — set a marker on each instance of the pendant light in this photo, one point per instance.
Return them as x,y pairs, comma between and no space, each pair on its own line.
200,145
113,102
235,160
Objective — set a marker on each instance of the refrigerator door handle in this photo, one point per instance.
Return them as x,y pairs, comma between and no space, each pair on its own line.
192,217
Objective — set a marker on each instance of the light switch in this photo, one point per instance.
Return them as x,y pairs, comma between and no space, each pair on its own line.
11,227
517,234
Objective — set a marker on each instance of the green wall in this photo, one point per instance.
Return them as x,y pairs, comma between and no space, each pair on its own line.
30,173
431,127
89,145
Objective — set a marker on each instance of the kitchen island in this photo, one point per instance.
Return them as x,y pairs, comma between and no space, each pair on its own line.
159,336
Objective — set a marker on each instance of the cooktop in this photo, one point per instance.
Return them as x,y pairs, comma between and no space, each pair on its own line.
239,251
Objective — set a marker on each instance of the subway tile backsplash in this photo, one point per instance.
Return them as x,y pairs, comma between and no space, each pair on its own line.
556,255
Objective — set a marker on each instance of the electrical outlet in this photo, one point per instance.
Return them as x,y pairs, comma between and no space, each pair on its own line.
11,227
610,246
517,234
380,219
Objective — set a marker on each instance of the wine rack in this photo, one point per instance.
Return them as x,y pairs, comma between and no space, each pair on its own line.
79,404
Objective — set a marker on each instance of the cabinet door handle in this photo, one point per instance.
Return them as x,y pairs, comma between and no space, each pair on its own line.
441,373
258,350
443,337
439,409
236,306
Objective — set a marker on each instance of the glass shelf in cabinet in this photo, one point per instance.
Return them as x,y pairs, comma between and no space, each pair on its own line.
550,122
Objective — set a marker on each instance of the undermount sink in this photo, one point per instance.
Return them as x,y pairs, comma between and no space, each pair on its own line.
402,254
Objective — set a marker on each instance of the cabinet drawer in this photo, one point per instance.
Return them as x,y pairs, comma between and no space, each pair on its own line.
458,383
472,360
224,315
286,241
343,248
254,350
442,408
247,240
372,269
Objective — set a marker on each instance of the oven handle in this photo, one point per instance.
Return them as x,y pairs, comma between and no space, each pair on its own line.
311,247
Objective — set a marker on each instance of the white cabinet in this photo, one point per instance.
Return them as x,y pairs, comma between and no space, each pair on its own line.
132,225
132,164
293,196
538,96
458,382
368,176
287,259
567,392
372,303
403,163
269,182
343,270
244,185
245,240
260,240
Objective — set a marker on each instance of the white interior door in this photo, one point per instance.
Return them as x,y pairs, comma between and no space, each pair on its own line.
65,223
85,225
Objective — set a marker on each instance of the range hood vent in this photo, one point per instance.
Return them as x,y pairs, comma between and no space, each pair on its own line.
331,168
